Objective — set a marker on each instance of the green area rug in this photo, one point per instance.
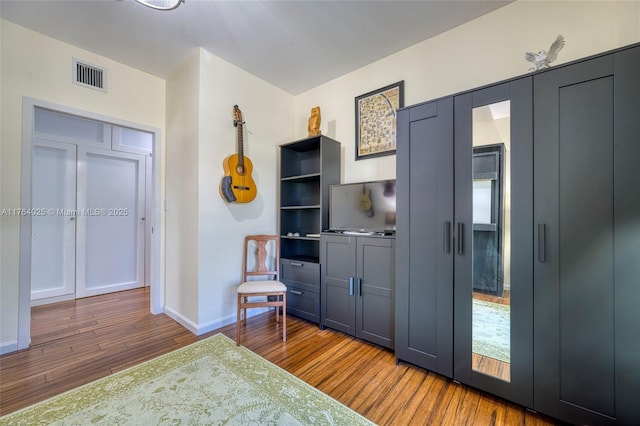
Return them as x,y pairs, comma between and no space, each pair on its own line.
210,382
491,330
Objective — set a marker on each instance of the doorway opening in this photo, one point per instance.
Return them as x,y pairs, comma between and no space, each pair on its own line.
94,182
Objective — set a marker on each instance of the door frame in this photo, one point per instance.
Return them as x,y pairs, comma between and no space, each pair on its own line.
157,238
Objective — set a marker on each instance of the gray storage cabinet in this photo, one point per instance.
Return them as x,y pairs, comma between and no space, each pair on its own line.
307,168
575,239
358,276
587,215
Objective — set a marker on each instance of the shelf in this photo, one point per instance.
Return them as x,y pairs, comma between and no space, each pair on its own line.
311,177
295,163
299,248
300,192
310,259
304,145
293,237
316,206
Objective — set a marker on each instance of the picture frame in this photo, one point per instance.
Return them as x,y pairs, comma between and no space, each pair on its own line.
376,115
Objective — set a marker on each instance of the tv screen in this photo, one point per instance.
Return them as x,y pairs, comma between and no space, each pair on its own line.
363,206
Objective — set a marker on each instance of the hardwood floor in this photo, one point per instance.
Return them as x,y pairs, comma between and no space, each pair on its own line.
79,341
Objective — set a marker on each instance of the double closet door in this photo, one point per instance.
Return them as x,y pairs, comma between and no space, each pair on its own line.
88,221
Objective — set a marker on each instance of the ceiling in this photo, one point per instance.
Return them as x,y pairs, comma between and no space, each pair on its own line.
295,45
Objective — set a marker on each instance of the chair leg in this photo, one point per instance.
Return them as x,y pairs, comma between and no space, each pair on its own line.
238,322
284,317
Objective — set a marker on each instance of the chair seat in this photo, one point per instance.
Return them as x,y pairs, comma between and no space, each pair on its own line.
267,286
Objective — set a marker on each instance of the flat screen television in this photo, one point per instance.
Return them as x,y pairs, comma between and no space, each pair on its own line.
363,206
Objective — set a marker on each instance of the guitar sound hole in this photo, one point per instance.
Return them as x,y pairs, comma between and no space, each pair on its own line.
240,169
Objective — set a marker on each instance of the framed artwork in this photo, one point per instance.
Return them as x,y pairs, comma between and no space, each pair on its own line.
376,114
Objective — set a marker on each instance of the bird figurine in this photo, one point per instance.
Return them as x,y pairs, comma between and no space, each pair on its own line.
543,59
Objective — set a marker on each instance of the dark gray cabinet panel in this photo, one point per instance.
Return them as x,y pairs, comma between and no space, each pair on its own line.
626,157
358,275
338,258
424,275
375,272
586,161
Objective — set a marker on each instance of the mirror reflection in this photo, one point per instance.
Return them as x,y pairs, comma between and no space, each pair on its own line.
491,316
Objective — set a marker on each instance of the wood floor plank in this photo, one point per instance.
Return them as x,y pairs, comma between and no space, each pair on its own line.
76,342
386,408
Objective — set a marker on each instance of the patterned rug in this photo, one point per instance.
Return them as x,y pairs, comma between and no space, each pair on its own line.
491,330
209,382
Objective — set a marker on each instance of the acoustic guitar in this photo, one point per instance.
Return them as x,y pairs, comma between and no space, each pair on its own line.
365,202
237,185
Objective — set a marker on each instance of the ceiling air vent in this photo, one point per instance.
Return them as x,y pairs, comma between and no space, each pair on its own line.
89,75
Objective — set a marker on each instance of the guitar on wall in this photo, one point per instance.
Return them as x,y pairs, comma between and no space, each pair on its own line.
237,185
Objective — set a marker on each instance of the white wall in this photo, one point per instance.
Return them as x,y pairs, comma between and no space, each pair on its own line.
267,112
486,50
182,147
204,233
40,67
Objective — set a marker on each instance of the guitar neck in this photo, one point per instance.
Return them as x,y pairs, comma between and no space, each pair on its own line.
240,147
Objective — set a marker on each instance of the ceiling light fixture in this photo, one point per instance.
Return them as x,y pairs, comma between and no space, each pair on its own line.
161,4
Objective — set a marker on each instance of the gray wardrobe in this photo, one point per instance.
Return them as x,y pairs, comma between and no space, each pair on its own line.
560,333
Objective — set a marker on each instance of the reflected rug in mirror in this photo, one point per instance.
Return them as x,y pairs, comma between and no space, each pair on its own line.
491,330
209,382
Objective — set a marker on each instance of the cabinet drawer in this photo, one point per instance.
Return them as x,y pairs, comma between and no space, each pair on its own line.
303,304
304,276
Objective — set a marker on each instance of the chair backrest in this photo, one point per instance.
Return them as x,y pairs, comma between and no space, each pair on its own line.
261,256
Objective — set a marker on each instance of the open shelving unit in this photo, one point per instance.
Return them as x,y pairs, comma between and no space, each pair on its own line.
307,168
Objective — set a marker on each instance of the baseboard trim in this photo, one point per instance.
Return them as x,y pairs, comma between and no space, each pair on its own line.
199,329
213,325
186,323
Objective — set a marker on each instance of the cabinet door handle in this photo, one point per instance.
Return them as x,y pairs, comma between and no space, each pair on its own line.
446,247
459,239
297,292
350,286
296,264
542,242
359,287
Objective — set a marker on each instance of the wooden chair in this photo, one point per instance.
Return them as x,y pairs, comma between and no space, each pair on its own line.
268,287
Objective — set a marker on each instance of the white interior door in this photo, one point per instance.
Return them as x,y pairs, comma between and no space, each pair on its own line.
111,222
53,224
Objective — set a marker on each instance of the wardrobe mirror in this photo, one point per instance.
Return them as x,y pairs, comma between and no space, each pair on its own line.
491,315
